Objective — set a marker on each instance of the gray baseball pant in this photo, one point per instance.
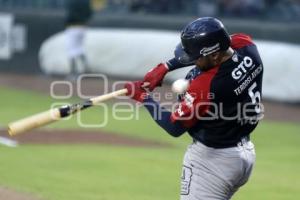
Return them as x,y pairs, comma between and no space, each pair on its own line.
215,174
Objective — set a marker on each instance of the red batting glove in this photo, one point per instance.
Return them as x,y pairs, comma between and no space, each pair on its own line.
155,76
136,91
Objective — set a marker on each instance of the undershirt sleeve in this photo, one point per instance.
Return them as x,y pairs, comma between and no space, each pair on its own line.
174,64
162,117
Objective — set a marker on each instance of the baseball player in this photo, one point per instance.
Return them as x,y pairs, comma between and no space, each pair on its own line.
78,14
219,109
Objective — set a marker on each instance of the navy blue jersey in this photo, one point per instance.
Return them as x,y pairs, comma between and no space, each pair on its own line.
222,105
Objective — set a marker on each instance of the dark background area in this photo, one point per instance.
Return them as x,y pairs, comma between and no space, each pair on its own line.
267,20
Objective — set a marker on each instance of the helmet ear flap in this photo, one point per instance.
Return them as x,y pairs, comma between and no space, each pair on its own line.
182,56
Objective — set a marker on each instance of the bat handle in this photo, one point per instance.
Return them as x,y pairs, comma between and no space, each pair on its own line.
111,95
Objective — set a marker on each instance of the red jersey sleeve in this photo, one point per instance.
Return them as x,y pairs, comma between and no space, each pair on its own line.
240,40
196,100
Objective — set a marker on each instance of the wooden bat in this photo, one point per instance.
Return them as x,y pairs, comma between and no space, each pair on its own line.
56,114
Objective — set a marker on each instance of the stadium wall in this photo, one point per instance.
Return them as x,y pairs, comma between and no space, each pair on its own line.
119,52
36,26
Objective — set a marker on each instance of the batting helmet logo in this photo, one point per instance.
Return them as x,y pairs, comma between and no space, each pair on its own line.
209,50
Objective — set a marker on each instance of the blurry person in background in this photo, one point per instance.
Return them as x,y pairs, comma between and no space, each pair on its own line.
79,13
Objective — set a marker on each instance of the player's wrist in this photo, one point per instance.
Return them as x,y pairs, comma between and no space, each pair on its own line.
166,66
174,64
162,69
146,97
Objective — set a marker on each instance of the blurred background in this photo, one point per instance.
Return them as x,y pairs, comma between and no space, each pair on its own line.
43,41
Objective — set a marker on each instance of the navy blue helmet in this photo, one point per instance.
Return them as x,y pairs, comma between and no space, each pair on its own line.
200,38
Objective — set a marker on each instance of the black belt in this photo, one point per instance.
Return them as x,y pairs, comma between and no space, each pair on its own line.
242,141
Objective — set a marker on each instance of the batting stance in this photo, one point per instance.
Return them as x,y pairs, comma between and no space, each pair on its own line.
219,110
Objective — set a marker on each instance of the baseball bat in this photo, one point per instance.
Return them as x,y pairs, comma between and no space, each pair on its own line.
56,114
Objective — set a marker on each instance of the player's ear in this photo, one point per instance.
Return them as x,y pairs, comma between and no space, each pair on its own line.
215,57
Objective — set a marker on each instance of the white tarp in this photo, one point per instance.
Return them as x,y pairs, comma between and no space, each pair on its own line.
6,24
131,53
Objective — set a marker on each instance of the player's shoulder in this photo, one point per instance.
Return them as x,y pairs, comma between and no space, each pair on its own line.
240,40
202,83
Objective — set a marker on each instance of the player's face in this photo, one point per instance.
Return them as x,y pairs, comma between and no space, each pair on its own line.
205,63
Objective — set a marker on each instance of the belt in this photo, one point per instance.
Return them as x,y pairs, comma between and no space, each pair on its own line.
242,141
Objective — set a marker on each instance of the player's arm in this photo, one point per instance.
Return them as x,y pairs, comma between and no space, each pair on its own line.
183,118
174,64
195,102
160,115
194,105
163,118
157,74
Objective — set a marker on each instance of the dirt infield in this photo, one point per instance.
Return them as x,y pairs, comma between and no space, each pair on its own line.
9,194
80,137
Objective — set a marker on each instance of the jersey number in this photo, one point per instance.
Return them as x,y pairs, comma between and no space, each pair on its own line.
255,97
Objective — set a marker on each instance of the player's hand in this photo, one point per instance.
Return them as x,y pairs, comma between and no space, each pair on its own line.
155,76
136,90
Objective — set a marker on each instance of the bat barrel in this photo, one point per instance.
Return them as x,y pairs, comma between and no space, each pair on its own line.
55,114
34,121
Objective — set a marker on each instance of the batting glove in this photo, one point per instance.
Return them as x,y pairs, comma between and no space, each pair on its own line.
136,91
155,76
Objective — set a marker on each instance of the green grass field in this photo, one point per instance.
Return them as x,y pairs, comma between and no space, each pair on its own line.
99,172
